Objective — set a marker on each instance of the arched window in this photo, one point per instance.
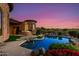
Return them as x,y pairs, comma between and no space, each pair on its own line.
0,23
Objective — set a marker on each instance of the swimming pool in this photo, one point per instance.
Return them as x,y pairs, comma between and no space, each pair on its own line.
45,43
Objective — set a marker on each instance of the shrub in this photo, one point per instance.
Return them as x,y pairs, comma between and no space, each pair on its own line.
62,52
78,35
13,37
39,36
63,46
73,33
59,33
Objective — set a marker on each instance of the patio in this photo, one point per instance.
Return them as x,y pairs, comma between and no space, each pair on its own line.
14,49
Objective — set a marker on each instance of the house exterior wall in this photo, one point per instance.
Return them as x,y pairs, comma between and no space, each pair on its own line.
24,27
34,28
5,21
30,26
13,28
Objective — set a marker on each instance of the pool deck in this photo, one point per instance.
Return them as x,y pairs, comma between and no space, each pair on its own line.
14,49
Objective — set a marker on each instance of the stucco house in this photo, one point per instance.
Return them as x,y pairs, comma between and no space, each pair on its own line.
9,26
17,27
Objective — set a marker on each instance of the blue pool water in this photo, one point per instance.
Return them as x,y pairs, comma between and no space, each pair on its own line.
45,43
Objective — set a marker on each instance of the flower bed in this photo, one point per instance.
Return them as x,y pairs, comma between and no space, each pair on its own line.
62,52
63,46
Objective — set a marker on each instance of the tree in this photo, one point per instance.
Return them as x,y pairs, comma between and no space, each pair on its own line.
40,31
59,33
10,6
73,33
78,35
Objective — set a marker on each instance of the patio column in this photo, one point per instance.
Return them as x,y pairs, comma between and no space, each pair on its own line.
4,8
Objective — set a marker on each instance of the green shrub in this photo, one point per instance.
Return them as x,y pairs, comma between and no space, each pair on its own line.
73,33
63,46
39,36
13,37
78,35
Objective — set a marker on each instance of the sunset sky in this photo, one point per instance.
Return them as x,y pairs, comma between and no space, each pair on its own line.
48,15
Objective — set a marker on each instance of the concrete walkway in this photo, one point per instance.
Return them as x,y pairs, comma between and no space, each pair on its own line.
14,49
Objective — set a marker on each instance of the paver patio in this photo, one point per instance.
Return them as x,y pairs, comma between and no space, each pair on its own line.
14,49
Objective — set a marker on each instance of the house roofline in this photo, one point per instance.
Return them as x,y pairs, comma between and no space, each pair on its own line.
30,21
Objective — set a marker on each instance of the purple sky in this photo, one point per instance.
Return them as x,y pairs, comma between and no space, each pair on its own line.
48,15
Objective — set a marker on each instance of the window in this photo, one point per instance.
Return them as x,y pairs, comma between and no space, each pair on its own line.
33,27
0,23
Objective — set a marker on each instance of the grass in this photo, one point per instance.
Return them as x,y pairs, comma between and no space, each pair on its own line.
13,37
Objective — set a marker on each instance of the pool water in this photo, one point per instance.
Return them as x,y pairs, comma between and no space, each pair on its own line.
45,43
